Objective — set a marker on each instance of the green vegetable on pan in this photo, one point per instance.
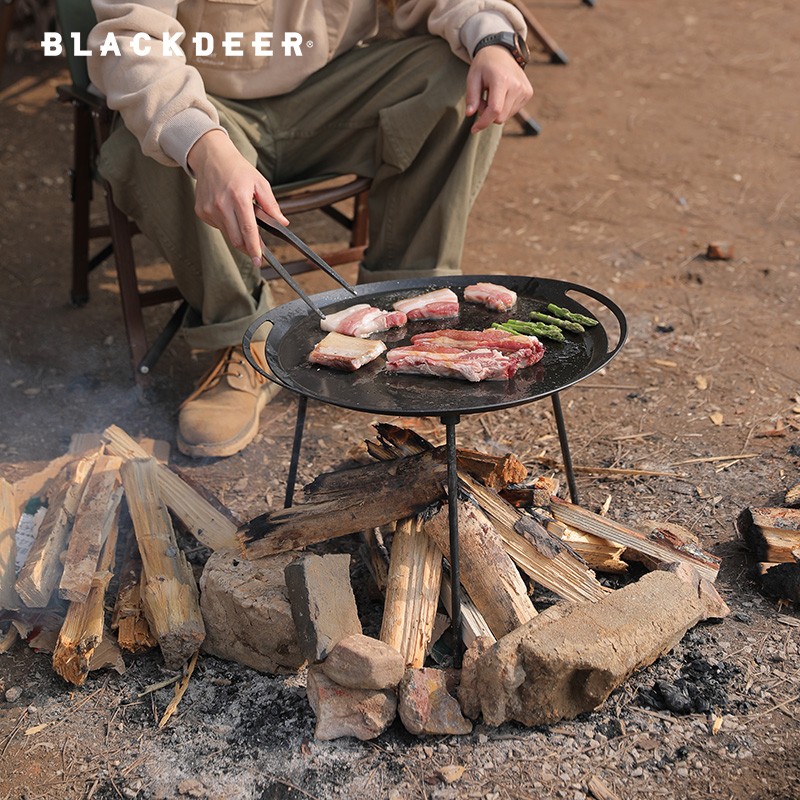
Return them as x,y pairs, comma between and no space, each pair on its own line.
566,324
565,313
531,329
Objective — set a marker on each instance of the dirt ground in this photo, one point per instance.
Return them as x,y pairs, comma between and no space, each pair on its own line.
674,125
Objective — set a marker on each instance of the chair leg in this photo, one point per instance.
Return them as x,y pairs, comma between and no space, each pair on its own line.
128,289
81,196
6,21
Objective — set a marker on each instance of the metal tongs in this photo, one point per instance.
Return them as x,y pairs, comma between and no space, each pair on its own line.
276,229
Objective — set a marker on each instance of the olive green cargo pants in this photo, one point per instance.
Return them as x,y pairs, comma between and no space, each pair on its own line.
393,111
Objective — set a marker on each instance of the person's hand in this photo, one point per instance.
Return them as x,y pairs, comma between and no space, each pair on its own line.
227,185
496,87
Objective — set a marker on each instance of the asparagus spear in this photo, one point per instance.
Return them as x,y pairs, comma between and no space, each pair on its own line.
566,324
531,329
572,316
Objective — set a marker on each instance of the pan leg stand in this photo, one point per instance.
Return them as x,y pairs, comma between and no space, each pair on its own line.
299,424
565,454
450,421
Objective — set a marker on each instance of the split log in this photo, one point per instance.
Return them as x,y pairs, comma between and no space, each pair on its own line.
412,594
663,551
487,572
793,496
42,569
170,596
473,625
540,555
341,503
532,494
205,522
82,632
40,483
781,580
773,534
375,555
96,516
599,554
8,546
128,618
492,471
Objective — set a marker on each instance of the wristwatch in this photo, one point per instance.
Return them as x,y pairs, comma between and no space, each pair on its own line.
513,42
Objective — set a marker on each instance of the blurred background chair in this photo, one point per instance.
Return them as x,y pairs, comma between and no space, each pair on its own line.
92,123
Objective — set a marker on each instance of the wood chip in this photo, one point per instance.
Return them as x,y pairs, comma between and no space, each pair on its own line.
701,382
717,418
598,788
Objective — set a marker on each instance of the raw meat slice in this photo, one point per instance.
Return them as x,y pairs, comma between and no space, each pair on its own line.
362,320
440,304
525,350
347,353
491,295
451,362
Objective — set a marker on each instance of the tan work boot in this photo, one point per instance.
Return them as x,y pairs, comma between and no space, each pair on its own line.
220,417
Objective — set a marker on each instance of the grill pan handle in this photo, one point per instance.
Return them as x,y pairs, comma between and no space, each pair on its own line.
248,352
611,306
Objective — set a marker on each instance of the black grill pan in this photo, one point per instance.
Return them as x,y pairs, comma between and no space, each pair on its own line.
295,330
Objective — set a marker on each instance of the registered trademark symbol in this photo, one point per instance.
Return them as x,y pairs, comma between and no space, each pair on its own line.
309,44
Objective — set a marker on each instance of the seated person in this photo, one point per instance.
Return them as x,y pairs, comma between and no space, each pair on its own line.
207,131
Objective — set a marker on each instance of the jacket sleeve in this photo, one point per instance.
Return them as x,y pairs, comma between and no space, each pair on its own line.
463,23
161,98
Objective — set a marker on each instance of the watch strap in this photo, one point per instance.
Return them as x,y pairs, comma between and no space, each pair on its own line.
511,41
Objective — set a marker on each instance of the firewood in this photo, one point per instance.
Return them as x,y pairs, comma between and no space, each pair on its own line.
771,533
341,503
538,553
40,483
793,496
663,550
781,580
492,471
205,522
535,493
82,631
599,554
412,593
170,596
128,619
42,569
375,555
8,546
473,625
94,519
487,571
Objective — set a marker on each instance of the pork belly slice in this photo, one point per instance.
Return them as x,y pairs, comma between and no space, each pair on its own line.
347,353
525,350
442,361
362,320
491,295
440,304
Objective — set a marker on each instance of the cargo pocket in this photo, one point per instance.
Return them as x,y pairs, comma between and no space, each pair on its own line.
220,17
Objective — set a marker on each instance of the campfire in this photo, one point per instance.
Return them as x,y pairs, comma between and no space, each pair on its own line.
265,603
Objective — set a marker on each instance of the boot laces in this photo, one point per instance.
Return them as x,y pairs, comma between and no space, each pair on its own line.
231,363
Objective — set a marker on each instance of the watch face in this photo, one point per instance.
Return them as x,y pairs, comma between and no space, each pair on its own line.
522,46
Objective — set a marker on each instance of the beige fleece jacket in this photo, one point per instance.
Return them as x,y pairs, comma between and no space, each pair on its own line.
162,96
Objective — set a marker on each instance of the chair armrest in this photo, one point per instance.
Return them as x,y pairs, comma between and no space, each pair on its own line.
69,93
